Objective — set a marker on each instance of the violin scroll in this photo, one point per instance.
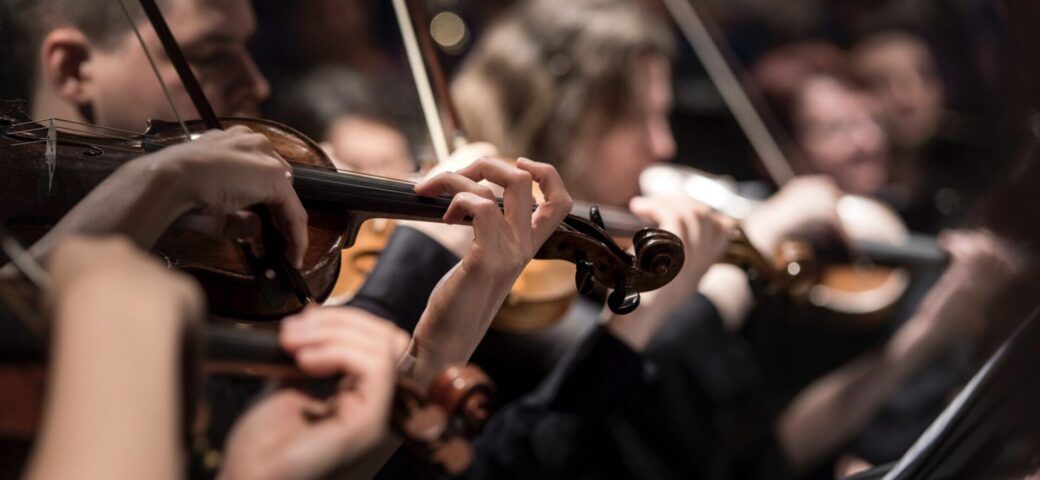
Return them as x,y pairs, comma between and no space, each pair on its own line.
440,421
658,258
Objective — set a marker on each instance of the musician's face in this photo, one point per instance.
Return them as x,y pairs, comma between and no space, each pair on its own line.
362,145
902,75
840,137
618,154
213,35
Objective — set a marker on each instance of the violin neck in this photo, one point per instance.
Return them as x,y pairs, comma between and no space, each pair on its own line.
366,196
617,221
916,251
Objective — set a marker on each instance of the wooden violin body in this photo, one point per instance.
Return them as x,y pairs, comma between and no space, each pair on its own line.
36,197
856,293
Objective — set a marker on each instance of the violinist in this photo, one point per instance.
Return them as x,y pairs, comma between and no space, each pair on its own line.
81,73
942,158
586,85
113,397
599,95
460,308
351,114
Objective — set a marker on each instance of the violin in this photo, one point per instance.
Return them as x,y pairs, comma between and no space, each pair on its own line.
860,285
862,289
337,203
860,293
437,421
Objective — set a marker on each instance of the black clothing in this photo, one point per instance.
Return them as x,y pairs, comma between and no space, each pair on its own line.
548,433
401,282
400,285
702,415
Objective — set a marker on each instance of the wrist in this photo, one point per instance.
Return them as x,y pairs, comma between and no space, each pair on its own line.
167,180
763,231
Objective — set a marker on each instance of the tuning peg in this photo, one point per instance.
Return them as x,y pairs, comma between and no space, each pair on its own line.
426,424
583,277
597,217
623,300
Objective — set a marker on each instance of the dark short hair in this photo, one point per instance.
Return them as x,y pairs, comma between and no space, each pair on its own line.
25,23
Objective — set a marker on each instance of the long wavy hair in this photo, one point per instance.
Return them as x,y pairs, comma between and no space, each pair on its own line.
550,73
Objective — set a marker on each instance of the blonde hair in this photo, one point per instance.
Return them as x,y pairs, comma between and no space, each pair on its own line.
551,72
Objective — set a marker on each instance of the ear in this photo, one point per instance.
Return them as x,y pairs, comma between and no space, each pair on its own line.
63,56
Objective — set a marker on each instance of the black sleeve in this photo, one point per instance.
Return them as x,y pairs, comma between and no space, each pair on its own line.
407,272
543,434
701,416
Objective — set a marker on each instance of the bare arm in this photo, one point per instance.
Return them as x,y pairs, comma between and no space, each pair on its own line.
836,407
112,398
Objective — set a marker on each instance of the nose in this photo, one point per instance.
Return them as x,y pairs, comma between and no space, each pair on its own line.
662,142
253,87
868,138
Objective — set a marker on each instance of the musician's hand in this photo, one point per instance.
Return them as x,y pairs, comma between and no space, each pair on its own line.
462,307
456,238
705,236
982,265
280,437
222,173
805,206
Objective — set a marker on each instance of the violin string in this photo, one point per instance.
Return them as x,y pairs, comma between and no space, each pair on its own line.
85,131
344,177
88,133
155,69
82,124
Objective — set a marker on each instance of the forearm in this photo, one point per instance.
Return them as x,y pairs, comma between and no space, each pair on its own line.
112,394
140,200
834,408
458,315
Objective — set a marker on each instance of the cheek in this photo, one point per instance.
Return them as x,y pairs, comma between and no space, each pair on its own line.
824,155
618,165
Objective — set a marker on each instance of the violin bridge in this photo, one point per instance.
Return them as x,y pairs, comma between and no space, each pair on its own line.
51,154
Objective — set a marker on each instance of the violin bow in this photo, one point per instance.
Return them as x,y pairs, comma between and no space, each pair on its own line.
25,264
698,31
429,78
272,271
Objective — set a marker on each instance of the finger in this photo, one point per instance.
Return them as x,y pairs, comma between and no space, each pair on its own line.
517,184
331,359
233,226
291,220
726,223
450,184
643,207
236,130
485,214
251,141
319,325
399,342
557,204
